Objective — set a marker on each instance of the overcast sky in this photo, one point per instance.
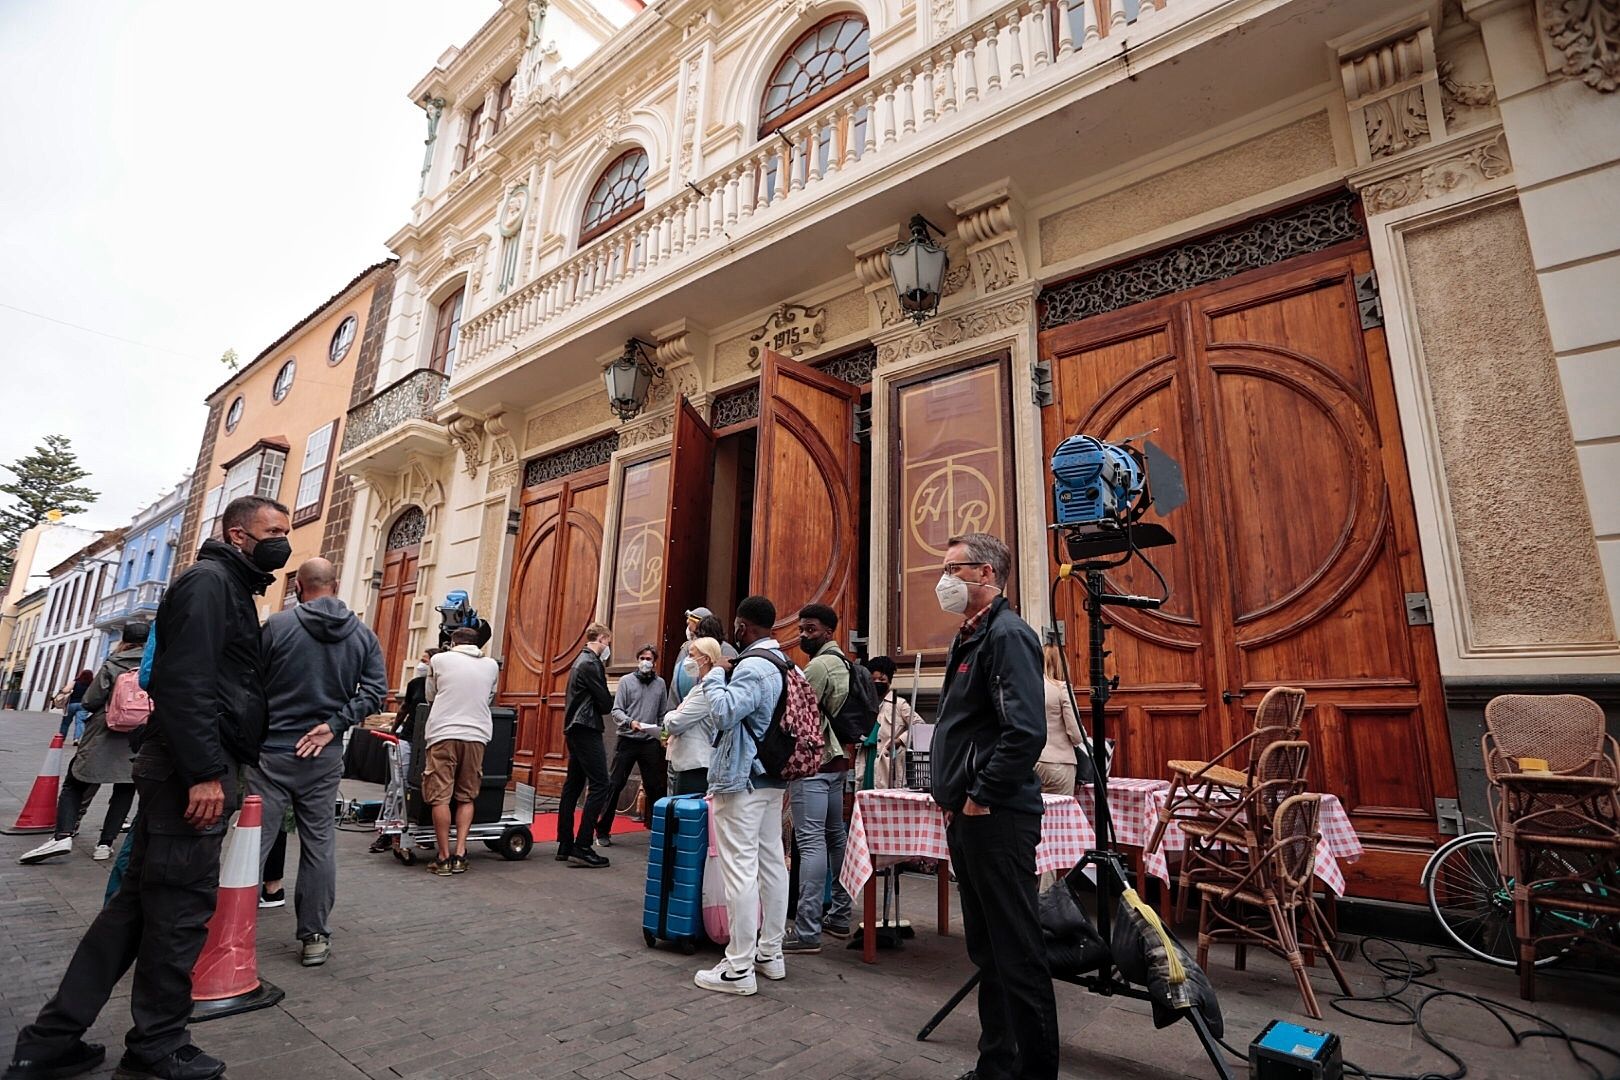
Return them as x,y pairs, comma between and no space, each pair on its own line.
191,176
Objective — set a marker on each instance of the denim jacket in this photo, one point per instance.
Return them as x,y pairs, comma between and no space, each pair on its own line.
748,698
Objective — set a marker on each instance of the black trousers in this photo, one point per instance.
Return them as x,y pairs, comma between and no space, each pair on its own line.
646,755
75,800
587,764
157,921
691,782
994,859
275,863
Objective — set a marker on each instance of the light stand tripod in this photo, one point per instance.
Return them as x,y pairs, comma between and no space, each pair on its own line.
1108,863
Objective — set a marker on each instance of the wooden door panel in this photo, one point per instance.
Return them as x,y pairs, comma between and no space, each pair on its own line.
1298,541
806,499
394,599
686,555
532,572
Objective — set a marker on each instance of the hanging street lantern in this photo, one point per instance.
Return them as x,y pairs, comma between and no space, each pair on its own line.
917,265
629,378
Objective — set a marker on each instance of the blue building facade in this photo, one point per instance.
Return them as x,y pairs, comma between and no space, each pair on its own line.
150,546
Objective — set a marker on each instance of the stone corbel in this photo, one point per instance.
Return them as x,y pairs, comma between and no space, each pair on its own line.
1586,37
987,222
1392,89
504,463
872,271
467,433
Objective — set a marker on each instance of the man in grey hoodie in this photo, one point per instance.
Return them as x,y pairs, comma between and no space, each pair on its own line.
323,675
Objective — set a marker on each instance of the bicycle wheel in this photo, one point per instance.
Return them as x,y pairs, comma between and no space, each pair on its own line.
1473,902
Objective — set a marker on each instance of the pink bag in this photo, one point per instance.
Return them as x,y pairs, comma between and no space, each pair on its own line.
716,923
129,705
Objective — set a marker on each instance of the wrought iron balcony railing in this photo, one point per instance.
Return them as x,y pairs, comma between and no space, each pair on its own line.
412,398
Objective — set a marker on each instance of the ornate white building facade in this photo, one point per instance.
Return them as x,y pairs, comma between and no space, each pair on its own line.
1352,263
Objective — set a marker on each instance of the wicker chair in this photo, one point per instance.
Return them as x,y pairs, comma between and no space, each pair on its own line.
1205,790
1219,847
1272,902
1555,799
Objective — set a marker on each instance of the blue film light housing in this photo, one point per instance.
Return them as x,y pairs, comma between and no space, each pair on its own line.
1094,483
457,612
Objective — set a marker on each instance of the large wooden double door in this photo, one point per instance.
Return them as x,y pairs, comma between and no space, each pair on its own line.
805,521
1297,546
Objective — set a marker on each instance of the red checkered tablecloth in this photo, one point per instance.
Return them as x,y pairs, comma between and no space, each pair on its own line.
1134,805
892,825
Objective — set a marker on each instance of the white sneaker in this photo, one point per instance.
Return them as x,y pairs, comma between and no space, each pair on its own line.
102,853
774,969
723,980
49,849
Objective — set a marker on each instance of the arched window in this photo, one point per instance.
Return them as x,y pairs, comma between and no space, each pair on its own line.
618,195
827,59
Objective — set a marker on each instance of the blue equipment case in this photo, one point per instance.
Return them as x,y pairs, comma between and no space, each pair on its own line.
1285,1051
679,845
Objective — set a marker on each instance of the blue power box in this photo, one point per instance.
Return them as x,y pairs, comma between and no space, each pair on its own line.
1285,1051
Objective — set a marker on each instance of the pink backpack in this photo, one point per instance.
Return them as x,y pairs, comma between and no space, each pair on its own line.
129,705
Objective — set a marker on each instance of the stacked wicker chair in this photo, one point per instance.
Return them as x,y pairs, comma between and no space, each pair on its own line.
1555,799
1271,902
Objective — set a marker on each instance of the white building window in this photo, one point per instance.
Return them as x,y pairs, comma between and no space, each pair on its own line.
213,506
312,475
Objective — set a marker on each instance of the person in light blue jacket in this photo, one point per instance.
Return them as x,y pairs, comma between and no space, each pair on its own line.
747,805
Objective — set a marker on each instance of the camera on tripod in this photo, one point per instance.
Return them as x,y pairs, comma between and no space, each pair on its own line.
457,612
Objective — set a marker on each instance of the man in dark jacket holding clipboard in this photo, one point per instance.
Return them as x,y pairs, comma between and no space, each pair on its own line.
588,700
208,717
992,727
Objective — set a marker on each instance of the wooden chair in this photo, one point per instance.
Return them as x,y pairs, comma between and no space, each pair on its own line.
1203,790
1555,799
1220,845
1272,901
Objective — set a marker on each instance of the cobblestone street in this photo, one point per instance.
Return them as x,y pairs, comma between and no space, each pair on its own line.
532,969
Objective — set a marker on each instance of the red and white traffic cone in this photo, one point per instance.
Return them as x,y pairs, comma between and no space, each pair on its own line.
226,979
39,812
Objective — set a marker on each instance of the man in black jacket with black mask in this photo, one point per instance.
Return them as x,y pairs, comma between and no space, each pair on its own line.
588,701
992,728
208,717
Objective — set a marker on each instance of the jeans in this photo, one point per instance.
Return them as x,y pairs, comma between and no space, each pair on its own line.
74,717
748,835
310,786
157,922
818,832
644,754
587,763
75,800
993,856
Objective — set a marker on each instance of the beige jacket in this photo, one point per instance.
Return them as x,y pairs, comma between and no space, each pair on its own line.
894,734
1062,729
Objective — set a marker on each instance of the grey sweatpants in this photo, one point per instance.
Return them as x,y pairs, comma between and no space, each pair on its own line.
310,786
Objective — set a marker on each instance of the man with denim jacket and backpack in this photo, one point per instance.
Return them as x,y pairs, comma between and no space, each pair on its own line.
208,719
747,805
991,730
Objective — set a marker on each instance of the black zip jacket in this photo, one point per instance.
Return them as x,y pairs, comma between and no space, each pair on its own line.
588,695
207,686
992,717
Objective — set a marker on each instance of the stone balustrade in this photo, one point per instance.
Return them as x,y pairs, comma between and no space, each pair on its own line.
978,70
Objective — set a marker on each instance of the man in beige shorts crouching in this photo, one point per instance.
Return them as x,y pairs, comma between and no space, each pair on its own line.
460,686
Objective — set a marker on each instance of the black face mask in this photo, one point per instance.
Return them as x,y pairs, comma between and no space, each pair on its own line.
271,553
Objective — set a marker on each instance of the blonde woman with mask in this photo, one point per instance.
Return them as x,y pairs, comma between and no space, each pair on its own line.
1056,767
689,726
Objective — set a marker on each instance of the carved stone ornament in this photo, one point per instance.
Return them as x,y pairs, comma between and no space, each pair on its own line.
1587,33
997,267
791,330
503,445
467,255
647,430
1459,172
957,278
1396,123
948,330
513,210
1270,240
467,432
1456,94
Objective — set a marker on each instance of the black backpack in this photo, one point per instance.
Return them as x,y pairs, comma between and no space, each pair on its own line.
854,720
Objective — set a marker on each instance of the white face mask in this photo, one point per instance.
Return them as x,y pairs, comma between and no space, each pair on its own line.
691,634
689,666
645,666
606,654
422,669
952,593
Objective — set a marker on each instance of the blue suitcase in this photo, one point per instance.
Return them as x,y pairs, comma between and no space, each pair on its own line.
679,845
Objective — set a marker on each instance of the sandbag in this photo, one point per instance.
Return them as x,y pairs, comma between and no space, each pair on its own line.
1148,955
1073,945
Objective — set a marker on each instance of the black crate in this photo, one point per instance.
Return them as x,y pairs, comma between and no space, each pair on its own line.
919,770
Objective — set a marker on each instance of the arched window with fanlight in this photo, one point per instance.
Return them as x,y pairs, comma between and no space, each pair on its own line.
618,195
822,63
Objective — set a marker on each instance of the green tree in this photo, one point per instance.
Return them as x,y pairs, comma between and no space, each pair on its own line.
45,480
